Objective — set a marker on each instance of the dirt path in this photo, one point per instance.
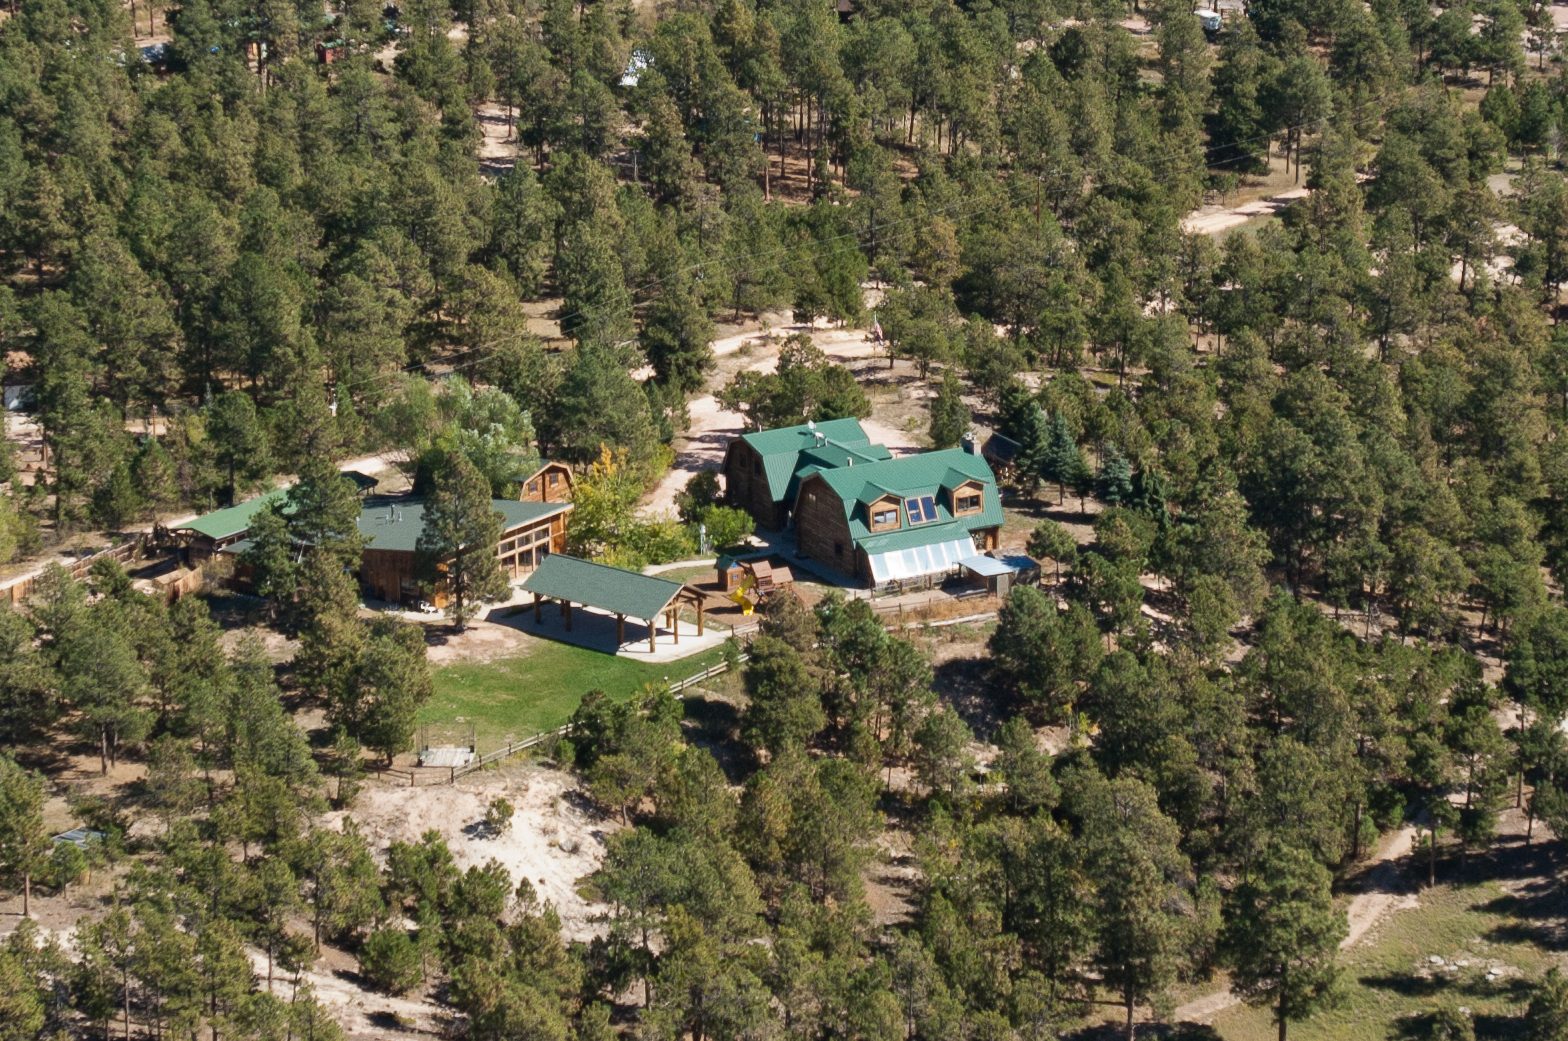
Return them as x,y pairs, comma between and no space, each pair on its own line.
1211,220
1382,892
712,429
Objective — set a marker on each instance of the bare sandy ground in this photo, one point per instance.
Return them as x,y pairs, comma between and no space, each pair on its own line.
1211,220
703,446
554,841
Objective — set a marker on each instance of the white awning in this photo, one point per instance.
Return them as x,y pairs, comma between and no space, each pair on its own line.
917,561
993,566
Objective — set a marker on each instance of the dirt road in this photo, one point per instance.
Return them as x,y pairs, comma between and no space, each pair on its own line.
1382,893
702,447
1211,220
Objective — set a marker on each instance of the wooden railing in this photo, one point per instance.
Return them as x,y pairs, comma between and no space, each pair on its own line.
511,748
894,616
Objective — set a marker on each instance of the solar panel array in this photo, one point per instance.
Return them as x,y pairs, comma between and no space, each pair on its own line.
922,510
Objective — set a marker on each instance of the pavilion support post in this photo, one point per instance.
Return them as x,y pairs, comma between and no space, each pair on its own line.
699,618
653,633
563,607
620,630
538,614
675,624
567,605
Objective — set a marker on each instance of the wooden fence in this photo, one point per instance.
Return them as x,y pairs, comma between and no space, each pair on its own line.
900,616
511,748
22,588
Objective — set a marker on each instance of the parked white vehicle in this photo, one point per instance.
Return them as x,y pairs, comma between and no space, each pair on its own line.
1210,20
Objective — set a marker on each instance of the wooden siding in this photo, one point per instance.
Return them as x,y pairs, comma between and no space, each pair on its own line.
964,489
389,574
539,486
746,486
887,502
821,531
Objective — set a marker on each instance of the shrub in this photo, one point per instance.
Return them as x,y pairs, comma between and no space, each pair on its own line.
391,960
727,526
498,817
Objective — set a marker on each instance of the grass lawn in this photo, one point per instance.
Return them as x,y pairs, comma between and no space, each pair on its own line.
513,698
1472,927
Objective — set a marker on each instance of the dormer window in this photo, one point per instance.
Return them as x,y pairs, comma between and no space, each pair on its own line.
968,502
885,518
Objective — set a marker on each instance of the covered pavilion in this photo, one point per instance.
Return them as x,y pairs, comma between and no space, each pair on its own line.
613,590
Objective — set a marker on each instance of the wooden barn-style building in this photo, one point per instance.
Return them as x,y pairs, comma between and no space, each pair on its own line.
530,532
552,482
856,509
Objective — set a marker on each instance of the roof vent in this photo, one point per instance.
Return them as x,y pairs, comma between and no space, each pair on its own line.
849,460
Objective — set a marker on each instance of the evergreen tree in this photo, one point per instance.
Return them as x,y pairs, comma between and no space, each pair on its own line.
456,546
1282,934
24,842
1060,460
678,338
950,416
1113,484
239,440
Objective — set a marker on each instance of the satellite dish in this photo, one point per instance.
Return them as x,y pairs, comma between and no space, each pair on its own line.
811,424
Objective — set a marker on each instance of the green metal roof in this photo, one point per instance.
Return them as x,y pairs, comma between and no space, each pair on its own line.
602,586
908,477
223,524
923,535
396,525
781,449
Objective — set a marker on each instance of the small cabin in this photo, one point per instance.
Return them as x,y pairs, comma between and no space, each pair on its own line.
552,482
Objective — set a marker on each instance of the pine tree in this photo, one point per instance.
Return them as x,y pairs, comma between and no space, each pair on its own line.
240,440
24,842
1060,460
678,337
1033,435
1113,485
1282,934
950,416
456,547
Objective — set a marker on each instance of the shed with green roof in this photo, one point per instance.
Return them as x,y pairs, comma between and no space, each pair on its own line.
220,529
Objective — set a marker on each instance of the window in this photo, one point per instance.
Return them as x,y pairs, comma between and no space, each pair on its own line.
885,518
555,479
533,486
922,510
838,549
969,502
756,466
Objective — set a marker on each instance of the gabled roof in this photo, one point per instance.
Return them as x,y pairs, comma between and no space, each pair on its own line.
602,586
235,520
912,476
395,524
781,449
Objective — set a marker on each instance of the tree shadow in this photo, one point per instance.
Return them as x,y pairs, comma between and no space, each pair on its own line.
713,724
965,684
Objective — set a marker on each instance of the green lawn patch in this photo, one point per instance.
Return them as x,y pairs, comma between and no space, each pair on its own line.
1471,927
514,698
